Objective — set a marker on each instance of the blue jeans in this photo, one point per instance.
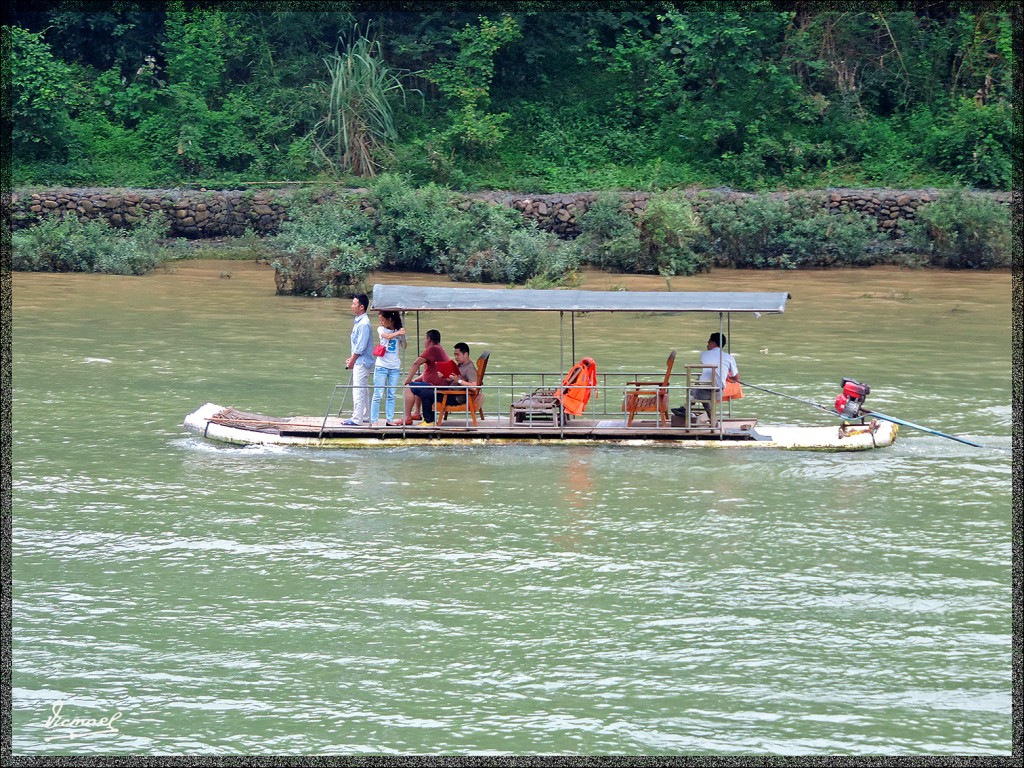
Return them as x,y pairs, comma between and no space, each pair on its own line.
385,380
426,393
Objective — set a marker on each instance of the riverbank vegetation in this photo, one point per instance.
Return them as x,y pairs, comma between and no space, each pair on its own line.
67,243
806,95
329,247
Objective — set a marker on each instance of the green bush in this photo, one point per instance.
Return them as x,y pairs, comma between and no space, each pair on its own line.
660,240
973,144
609,238
423,162
768,157
324,249
106,154
66,243
329,248
434,229
504,249
413,226
962,231
39,97
668,229
769,233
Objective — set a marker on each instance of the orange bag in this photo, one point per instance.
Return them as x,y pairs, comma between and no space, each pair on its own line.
732,391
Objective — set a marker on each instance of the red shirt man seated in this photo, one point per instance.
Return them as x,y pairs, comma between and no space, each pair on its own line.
437,367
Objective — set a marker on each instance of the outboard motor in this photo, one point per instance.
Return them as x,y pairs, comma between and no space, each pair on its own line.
851,399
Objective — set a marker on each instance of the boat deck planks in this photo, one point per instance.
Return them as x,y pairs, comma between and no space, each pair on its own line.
493,426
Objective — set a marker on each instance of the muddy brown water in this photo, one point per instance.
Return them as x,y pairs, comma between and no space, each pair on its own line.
558,600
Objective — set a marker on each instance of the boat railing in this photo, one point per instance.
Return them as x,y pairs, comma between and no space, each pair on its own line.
502,389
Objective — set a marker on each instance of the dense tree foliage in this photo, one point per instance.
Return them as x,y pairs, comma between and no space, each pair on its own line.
532,97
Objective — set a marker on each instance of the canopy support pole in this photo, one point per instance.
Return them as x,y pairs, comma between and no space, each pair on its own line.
572,316
728,344
561,340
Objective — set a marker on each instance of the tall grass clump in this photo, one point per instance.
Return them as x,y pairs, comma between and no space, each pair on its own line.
357,129
962,231
67,243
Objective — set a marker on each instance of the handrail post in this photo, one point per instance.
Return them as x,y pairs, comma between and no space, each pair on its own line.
327,413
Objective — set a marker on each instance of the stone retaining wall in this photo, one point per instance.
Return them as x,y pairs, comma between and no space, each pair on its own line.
192,214
211,213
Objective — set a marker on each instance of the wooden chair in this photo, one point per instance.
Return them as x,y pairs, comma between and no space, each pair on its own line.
650,396
473,403
695,406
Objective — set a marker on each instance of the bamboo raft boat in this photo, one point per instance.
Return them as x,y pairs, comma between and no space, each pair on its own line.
231,426
548,418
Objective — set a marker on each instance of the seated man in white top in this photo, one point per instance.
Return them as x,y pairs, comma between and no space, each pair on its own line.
725,368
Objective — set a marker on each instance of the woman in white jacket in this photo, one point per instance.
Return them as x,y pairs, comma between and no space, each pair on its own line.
387,367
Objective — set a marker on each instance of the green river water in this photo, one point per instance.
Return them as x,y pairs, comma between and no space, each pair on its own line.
195,598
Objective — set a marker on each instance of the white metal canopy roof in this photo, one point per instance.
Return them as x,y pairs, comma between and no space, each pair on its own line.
409,298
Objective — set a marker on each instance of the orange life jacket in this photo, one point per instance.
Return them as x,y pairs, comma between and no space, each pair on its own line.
577,386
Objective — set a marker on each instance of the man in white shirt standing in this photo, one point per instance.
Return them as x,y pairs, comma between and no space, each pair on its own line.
360,361
725,368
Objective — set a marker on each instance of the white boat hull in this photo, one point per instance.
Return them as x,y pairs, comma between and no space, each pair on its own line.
209,423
